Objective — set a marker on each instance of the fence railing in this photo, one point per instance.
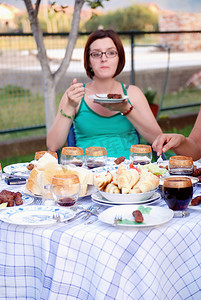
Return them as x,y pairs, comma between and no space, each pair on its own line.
151,57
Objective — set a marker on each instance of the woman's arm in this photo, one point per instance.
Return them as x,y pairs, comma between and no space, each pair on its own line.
190,146
141,116
69,104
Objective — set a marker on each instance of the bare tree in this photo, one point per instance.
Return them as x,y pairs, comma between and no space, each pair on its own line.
50,79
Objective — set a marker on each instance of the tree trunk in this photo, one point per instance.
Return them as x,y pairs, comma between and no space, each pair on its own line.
50,80
49,98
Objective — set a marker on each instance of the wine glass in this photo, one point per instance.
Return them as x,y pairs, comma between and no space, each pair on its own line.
66,188
140,154
95,157
177,193
180,165
72,155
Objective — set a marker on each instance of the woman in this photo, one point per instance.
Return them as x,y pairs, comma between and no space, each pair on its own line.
112,126
181,145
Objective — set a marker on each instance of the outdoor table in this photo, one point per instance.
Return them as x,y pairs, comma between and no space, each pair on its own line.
101,261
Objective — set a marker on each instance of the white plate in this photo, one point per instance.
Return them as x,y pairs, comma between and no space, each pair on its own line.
96,197
127,197
26,201
104,99
153,215
35,215
24,190
20,169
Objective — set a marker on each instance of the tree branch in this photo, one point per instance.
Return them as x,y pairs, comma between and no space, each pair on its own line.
71,41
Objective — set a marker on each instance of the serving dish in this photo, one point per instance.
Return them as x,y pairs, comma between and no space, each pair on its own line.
127,197
98,198
27,199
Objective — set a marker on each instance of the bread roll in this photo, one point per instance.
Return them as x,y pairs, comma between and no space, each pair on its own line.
126,179
102,180
147,182
112,188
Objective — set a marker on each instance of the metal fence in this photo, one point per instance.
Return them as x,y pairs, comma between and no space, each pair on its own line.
150,62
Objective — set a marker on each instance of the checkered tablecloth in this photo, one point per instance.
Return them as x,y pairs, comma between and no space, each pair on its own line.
99,261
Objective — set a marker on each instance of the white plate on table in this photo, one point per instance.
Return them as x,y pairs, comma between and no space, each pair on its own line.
35,215
19,169
26,201
153,215
97,198
24,190
102,98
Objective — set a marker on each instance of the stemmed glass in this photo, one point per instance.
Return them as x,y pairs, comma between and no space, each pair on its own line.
177,193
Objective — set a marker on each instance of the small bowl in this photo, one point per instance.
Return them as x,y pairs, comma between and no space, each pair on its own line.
95,157
180,165
72,155
140,154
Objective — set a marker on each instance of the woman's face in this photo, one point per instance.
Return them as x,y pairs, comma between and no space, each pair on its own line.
103,67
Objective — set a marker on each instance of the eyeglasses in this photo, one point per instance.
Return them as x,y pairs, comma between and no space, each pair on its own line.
108,54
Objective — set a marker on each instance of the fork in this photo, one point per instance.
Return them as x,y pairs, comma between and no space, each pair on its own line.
117,219
160,160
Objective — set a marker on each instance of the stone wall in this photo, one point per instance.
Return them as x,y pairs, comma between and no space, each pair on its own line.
180,21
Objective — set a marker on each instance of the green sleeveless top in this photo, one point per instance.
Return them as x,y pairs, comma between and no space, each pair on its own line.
115,133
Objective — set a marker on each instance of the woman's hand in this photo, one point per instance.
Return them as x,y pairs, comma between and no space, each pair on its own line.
167,141
75,93
122,106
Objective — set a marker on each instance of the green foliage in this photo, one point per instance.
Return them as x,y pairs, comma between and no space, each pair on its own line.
135,17
12,89
150,94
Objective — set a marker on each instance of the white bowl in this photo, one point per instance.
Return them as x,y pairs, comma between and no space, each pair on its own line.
127,197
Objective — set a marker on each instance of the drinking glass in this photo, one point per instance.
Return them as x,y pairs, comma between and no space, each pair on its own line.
72,155
47,195
177,193
95,157
39,154
180,165
140,154
66,188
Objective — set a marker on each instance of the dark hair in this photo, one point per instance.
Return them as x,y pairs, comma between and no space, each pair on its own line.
100,34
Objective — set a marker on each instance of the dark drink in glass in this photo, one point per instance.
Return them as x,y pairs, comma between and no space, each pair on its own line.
95,157
140,154
177,192
180,165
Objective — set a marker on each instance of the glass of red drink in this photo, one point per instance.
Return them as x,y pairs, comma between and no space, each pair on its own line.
140,154
66,188
72,155
180,165
95,157
178,192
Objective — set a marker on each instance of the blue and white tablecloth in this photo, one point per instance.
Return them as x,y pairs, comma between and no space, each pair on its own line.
99,261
